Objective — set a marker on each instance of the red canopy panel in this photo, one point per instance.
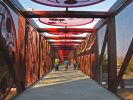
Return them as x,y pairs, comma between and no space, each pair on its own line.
72,48
60,52
66,21
66,30
66,44
64,40
65,37
64,54
66,33
67,3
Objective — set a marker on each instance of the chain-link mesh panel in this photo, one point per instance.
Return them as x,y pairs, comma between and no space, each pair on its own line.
104,68
124,36
101,35
124,32
104,61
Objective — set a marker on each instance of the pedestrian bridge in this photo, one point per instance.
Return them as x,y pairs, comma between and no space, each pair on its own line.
96,34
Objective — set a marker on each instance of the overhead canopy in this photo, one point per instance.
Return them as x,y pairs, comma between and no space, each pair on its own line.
66,21
65,24
67,3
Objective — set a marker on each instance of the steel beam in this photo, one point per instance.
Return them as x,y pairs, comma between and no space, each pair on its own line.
95,63
15,5
112,61
64,14
119,6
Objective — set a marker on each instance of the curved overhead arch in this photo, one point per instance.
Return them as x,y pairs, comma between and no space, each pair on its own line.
66,22
67,3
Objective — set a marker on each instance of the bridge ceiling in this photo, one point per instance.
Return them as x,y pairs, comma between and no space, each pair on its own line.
67,3
65,24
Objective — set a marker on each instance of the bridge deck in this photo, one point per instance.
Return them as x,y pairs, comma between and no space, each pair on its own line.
66,85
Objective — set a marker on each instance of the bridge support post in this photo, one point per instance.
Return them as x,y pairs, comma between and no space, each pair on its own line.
97,67
112,61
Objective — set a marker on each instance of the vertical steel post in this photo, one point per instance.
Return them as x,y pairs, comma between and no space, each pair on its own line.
112,61
97,67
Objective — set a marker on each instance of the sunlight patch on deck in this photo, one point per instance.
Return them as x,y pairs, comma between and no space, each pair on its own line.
61,76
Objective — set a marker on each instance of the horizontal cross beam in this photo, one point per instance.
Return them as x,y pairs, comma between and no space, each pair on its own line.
62,42
74,44
65,38
65,48
64,14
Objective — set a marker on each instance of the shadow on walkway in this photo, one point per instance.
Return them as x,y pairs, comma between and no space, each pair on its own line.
66,85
